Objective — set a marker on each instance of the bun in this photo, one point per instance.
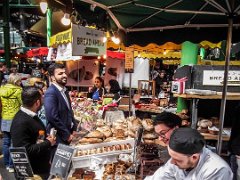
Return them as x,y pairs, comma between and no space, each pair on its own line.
90,140
148,135
95,134
147,124
136,124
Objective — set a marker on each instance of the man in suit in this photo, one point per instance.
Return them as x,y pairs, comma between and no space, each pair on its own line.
26,130
58,106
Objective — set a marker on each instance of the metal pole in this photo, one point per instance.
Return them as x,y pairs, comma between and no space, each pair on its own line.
6,30
224,91
49,26
130,94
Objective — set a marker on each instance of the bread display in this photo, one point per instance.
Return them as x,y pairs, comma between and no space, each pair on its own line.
104,149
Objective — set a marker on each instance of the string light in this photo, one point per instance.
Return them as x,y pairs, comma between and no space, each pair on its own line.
43,6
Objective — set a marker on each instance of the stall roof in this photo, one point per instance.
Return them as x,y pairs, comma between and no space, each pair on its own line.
142,22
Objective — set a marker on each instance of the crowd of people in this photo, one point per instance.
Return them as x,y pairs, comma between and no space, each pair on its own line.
29,113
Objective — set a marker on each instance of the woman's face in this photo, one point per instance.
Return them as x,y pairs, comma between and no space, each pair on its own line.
97,83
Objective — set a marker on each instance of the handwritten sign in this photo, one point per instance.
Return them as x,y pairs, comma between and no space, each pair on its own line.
215,78
21,163
61,161
129,60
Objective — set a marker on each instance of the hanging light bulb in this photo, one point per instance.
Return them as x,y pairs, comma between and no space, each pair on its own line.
164,52
115,38
104,39
43,6
66,19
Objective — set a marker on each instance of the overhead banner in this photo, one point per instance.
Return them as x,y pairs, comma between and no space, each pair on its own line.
87,41
62,37
82,72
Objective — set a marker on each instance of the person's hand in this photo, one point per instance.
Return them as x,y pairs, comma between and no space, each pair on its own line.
52,140
70,138
90,89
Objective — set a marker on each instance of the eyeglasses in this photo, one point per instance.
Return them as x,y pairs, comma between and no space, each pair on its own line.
163,133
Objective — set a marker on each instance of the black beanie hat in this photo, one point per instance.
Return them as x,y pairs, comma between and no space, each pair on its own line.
186,141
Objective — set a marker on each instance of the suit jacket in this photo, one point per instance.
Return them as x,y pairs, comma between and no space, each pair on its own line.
24,133
58,114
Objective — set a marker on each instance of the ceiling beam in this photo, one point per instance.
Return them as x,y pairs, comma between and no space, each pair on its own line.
182,11
217,6
108,11
180,27
22,6
203,6
237,8
228,6
145,19
120,4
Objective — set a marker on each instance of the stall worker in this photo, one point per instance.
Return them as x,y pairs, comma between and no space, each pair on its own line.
114,89
164,124
190,159
10,97
28,131
98,90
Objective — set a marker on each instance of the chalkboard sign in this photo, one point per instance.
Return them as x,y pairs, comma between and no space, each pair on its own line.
21,163
61,161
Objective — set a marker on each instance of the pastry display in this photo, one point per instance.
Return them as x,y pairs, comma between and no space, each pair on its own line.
117,147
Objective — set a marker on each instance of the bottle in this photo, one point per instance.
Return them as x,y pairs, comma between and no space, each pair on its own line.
41,136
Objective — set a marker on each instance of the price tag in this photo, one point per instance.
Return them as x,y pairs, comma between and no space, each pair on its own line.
21,162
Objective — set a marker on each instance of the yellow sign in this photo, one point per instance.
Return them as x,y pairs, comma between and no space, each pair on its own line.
62,37
129,60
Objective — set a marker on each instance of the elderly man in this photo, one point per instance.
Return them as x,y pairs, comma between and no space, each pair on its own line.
191,160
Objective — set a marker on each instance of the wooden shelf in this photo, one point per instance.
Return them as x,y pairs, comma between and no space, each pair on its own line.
230,96
208,136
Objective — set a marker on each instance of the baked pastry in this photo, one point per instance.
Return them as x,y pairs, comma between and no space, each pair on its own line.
90,140
149,135
149,141
95,134
119,133
147,124
106,130
132,134
135,124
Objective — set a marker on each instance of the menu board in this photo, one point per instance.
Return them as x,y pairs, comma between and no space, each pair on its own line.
61,161
21,163
129,60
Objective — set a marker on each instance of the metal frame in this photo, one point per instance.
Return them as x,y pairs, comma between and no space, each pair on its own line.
180,27
170,5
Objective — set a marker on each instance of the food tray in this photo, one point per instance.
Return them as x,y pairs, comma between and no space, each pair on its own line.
106,157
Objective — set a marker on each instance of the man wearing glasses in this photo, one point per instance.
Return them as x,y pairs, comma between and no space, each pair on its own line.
164,124
190,159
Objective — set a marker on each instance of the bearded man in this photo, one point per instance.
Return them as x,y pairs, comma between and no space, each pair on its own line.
58,106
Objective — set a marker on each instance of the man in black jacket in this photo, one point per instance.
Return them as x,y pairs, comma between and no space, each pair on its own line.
26,130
